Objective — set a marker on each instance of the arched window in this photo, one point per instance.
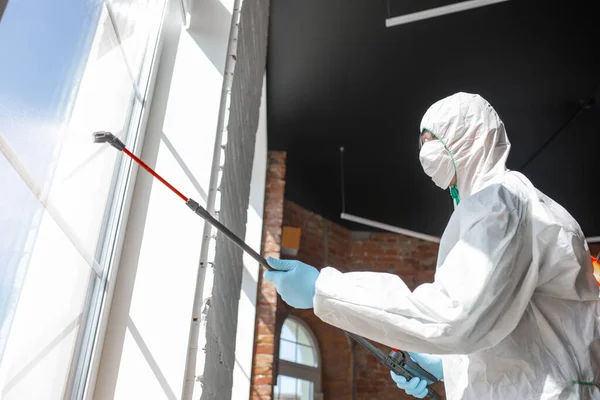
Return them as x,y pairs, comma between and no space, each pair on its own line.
299,372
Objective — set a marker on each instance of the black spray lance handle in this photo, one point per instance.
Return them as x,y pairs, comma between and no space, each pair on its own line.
400,362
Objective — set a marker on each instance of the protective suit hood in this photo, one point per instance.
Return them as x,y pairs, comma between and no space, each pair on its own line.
473,132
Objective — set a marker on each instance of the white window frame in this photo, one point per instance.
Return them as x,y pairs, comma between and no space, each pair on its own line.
98,314
301,371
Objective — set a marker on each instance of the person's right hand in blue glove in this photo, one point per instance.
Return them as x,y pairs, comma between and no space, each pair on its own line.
417,387
294,281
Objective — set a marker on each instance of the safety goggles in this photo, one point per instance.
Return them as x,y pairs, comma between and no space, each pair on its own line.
426,136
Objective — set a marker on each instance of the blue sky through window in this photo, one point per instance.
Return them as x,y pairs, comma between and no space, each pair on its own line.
42,44
43,48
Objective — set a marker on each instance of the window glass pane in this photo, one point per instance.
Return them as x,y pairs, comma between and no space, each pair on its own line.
68,69
296,345
306,355
134,25
289,388
288,330
305,390
287,351
303,337
45,317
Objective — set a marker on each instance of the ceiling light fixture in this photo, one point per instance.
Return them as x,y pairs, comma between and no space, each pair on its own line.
389,228
438,11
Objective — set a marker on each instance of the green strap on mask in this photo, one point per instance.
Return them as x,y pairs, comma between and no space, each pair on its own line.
586,383
454,194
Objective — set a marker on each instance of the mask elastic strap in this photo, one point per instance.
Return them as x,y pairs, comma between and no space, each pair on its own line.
454,194
586,383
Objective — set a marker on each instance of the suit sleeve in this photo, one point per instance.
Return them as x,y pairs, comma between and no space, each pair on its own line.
478,296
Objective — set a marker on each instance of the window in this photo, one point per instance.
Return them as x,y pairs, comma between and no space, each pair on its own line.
68,68
299,366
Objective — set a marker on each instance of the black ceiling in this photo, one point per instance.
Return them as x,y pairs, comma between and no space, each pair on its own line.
337,76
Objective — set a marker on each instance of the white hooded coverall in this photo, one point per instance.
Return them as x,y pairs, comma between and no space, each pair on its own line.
514,308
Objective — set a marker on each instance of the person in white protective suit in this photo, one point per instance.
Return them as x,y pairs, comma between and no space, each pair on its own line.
514,310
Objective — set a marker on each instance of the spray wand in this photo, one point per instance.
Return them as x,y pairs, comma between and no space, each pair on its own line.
398,361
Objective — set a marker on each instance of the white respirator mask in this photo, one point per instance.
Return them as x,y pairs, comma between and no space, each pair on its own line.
437,163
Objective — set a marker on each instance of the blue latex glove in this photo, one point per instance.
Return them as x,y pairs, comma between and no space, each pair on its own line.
294,281
417,387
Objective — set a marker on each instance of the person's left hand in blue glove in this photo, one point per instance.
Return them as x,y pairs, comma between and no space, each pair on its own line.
417,387
294,281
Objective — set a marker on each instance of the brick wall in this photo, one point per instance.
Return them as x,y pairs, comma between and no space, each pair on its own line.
321,242
348,371
265,344
412,259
